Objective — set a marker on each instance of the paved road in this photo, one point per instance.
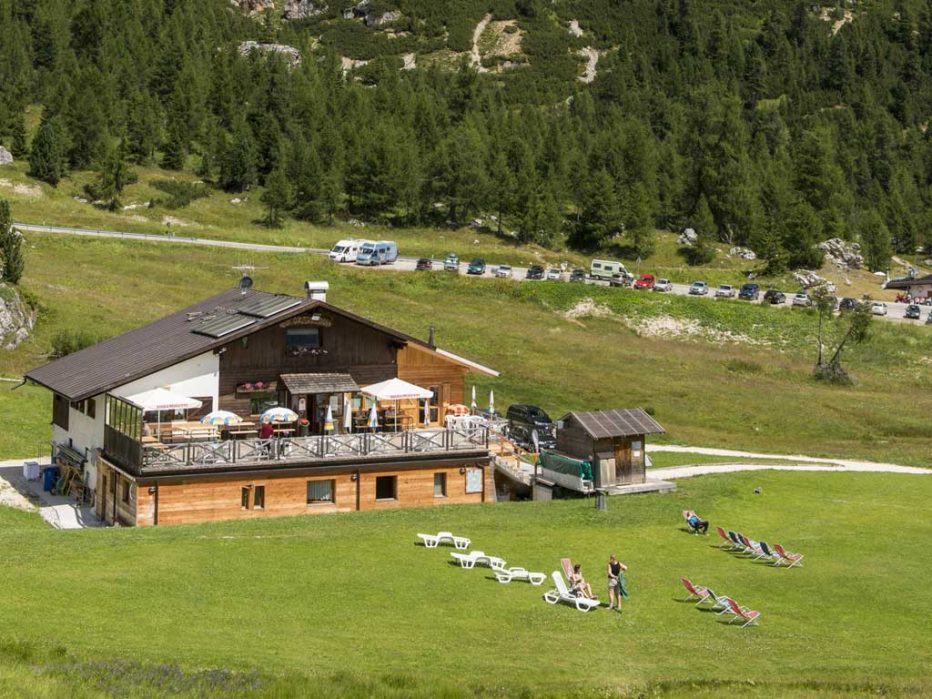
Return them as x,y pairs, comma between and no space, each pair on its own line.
895,311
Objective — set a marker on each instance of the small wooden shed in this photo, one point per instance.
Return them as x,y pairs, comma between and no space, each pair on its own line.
611,440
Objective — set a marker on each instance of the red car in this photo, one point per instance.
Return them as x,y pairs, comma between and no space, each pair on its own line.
645,282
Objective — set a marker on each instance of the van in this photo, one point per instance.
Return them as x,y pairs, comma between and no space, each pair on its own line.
606,269
383,252
346,250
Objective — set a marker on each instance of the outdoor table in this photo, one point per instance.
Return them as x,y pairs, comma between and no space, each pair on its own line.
242,433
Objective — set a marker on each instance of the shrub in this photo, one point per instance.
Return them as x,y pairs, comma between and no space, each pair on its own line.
67,342
180,193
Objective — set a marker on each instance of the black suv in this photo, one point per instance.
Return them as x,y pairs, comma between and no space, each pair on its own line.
535,272
848,304
750,292
913,312
774,297
578,275
523,420
424,264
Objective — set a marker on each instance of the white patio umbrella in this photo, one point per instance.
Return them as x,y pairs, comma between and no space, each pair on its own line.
396,390
159,399
348,415
328,420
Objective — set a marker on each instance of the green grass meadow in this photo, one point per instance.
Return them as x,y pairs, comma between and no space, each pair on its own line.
349,604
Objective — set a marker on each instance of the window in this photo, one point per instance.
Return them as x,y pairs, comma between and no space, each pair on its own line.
319,491
258,500
440,485
300,341
125,484
92,408
60,411
260,402
244,499
386,488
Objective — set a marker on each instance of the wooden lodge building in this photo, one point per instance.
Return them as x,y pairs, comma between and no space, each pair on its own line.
244,351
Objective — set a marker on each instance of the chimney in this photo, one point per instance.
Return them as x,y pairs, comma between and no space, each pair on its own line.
317,291
430,336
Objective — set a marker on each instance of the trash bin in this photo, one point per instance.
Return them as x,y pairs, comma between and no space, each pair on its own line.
600,502
50,478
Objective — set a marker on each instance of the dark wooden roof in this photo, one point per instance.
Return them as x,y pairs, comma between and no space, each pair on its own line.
205,326
319,383
603,424
908,283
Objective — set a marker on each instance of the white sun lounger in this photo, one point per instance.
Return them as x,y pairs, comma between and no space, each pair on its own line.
561,593
506,575
469,560
432,541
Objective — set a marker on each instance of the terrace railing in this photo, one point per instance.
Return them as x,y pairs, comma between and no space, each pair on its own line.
314,448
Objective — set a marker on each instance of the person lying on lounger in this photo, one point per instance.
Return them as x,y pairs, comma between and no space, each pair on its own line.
694,521
580,586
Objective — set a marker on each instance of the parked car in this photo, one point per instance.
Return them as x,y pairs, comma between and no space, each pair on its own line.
774,297
646,281
504,272
477,266
848,304
554,274
424,264
535,272
725,291
698,289
622,279
913,312
524,420
749,292
879,308
578,275
663,285
802,299
452,263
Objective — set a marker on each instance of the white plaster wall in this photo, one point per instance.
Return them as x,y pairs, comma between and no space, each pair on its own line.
198,376
84,433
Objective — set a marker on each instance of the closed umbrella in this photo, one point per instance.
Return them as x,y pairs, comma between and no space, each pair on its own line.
348,416
328,420
491,403
278,416
221,417
426,413
373,417
473,405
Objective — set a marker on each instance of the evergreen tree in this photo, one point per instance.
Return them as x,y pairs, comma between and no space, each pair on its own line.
276,197
47,155
702,251
868,227
599,215
238,162
18,146
11,246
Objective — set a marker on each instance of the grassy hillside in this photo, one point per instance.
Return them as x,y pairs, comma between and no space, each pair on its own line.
714,373
349,605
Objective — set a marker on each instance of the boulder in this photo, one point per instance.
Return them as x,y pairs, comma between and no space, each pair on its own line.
6,157
291,54
252,7
808,279
295,10
842,253
574,29
16,317
688,237
743,253
374,19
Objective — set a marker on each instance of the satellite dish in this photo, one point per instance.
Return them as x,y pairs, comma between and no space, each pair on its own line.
245,282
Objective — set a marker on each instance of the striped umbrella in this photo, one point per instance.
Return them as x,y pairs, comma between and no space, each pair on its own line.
278,416
221,417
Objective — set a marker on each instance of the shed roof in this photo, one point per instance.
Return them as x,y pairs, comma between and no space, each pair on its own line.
602,424
319,383
909,283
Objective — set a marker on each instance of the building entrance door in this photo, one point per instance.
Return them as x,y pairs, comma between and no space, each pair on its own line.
623,468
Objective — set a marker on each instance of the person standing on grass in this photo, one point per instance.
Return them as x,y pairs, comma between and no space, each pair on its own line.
616,584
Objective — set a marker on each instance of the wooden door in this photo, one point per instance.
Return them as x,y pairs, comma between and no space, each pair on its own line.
623,470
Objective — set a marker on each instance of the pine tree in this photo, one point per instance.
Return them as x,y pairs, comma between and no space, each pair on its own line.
276,197
874,237
599,215
702,251
18,147
47,155
11,246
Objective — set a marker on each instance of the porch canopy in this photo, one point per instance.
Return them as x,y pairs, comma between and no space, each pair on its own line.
396,389
159,399
299,384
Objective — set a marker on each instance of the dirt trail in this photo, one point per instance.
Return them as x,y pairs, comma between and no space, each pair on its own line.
475,58
592,60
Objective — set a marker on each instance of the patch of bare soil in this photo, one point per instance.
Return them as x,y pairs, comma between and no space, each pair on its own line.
25,190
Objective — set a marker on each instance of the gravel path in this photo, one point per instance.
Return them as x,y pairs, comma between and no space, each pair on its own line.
806,463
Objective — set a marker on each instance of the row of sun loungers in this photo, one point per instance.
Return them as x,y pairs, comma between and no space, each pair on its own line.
758,550
470,560
720,604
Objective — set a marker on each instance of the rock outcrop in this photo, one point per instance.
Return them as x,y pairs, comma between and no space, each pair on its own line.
252,7
295,10
688,237
16,317
842,253
743,253
807,279
290,53
6,157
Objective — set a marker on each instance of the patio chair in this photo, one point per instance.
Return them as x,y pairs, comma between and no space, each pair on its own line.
506,575
697,591
469,560
749,616
721,604
736,543
765,547
727,542
791,558
432,541
752,547
561,593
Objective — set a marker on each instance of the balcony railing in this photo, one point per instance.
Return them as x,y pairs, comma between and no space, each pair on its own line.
314,448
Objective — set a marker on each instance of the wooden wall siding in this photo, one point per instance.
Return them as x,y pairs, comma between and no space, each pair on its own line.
419,366
368,355
574,441
201,500
125,511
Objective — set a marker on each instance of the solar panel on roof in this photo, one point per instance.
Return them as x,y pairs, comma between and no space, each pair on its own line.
223,325
265,307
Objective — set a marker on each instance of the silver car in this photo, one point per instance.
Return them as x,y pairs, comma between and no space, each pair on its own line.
504,272
725,291
802,299
699,289
663,285
554,274
879,308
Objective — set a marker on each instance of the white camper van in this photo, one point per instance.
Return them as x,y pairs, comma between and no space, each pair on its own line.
383,252
606,269
346,250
